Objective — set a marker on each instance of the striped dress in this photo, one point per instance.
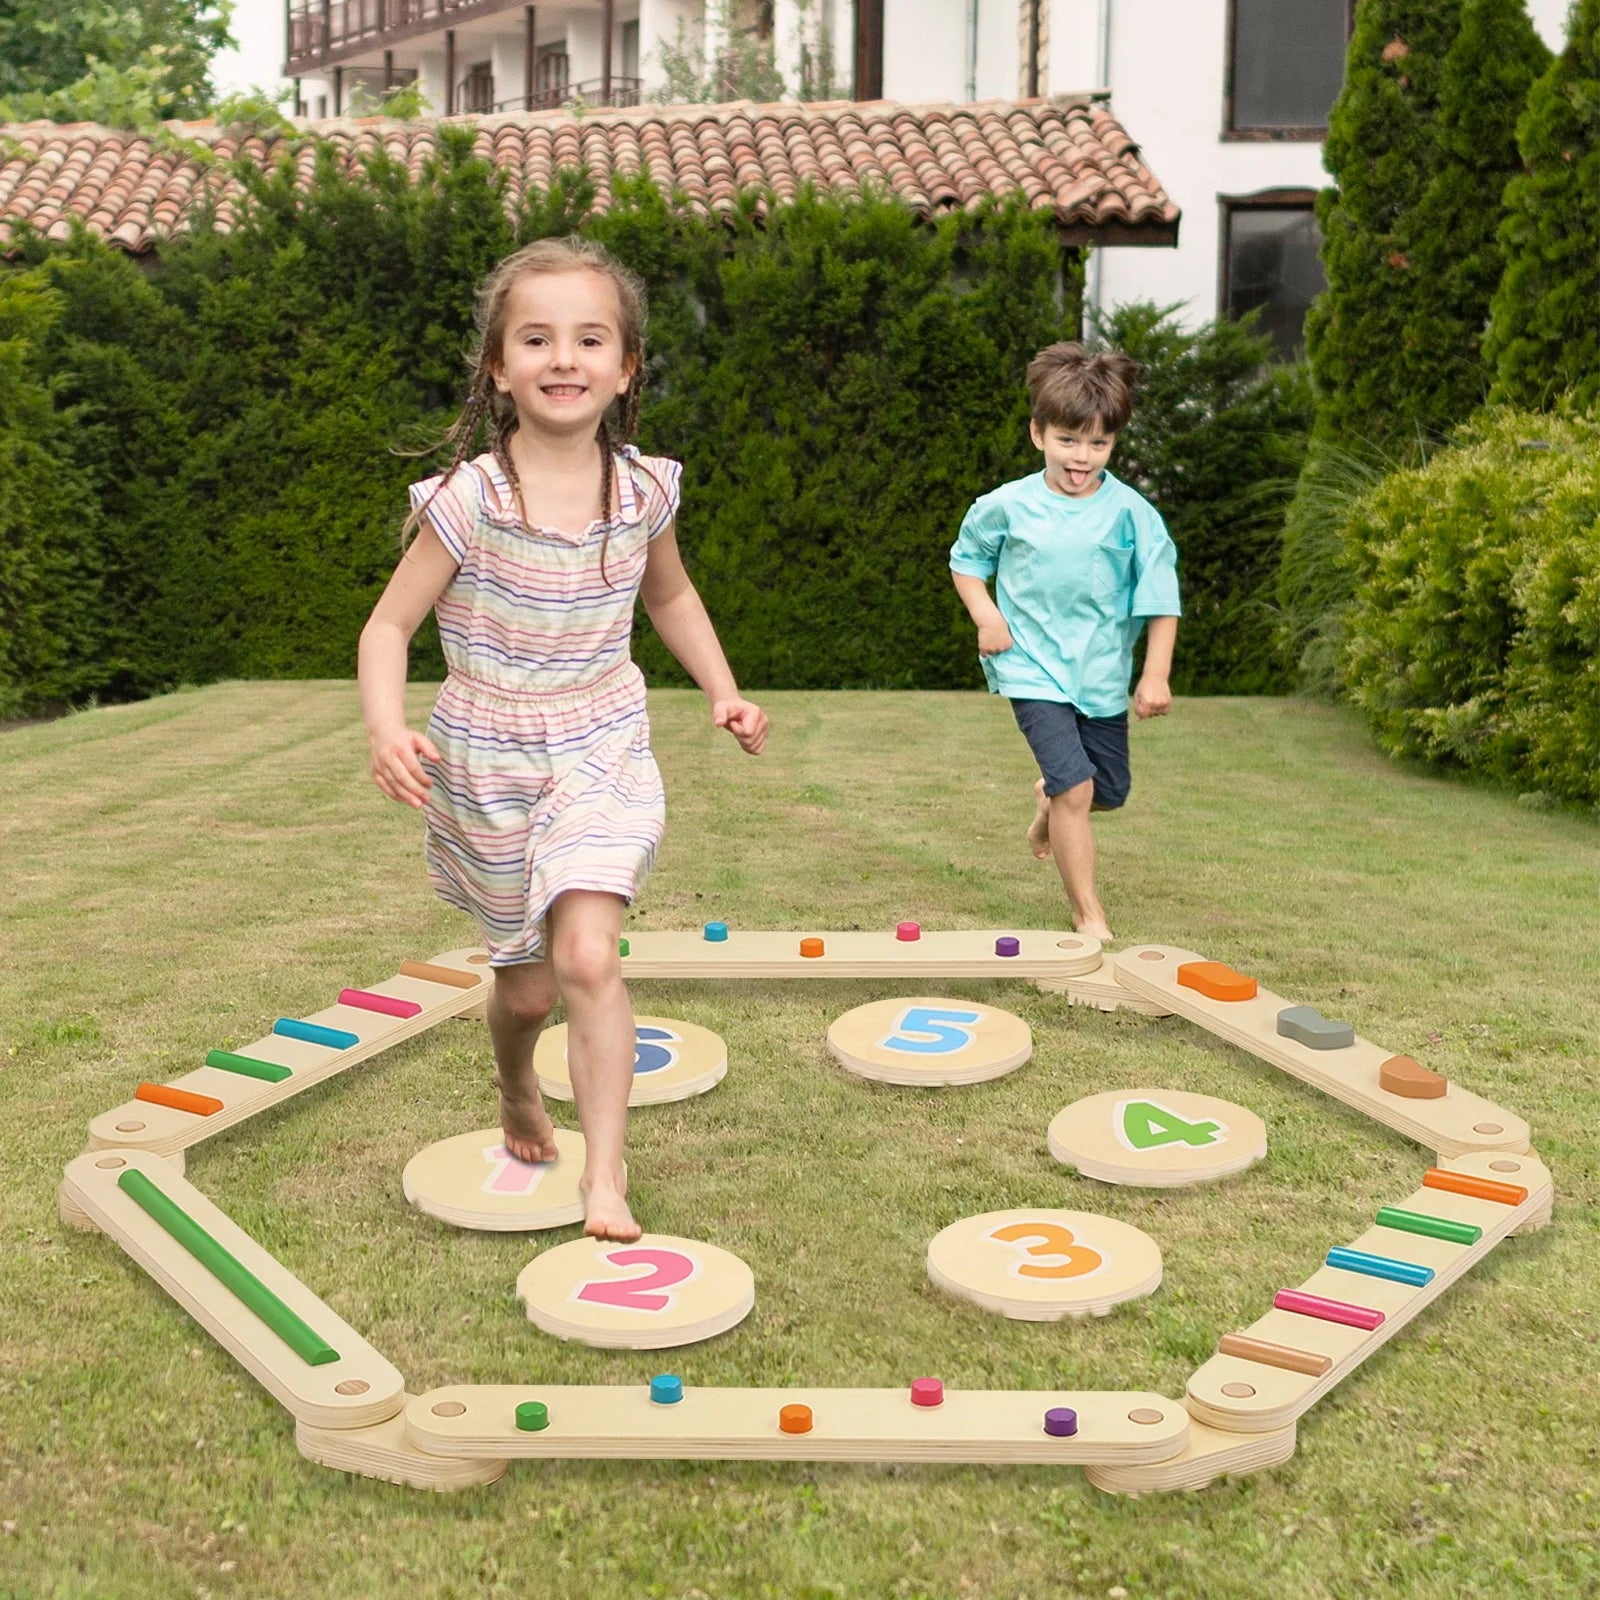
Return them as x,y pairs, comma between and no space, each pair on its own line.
545,780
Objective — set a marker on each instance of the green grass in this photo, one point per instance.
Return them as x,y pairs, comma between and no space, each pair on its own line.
180,872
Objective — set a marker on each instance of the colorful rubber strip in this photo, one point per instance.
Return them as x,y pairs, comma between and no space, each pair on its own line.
1274,1355
306,1343
162,1094
1429,1227
365,1000
313,1033
1506,1194
432,974
1313,1305
1380,1267
1216,981
247,1066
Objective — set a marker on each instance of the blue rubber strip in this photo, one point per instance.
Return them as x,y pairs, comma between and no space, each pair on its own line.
310,1033
1381,1267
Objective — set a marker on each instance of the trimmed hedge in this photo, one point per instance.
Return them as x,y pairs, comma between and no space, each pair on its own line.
1474,636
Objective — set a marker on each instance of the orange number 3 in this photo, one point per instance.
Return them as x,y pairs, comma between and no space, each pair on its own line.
1071,1260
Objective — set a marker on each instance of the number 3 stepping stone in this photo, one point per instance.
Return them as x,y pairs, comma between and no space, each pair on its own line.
653,1294
1309,1027
1156,1138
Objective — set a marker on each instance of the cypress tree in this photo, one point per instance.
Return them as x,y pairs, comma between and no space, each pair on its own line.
1456,260
1545,333
1362,334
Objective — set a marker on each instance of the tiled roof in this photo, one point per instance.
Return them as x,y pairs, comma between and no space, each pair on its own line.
1069,156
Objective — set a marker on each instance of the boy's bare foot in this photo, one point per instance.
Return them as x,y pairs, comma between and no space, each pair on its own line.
530,1135
605,1211
1039,828
1094,928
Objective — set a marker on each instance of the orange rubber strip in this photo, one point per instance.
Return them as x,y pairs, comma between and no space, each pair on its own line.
1507,1194
1274,1355
432,974
1216,981
161,1094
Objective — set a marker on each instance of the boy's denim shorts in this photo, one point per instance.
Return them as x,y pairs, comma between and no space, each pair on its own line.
1071,747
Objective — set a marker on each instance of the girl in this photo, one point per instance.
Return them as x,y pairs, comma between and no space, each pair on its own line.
542,799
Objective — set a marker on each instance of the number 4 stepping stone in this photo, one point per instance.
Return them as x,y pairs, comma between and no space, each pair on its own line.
1156,1138
1309,1027
653,1294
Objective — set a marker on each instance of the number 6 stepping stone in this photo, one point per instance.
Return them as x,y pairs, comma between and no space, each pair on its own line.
672,1060
929,1043
1042,1265
653,1294
1156,1138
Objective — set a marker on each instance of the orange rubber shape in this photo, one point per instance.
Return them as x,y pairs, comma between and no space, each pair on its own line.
1216,981
1506,1194
794,1419
161,1094
811,947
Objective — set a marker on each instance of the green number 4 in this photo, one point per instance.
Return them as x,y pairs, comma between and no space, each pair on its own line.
1144,1125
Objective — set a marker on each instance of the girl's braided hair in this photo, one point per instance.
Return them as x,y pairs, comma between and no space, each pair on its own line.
487,410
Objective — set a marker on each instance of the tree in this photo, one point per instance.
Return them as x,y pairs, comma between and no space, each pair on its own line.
114,61
1545,334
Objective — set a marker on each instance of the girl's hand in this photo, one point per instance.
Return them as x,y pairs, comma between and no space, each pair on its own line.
994,638
1152,698
745,720
396,768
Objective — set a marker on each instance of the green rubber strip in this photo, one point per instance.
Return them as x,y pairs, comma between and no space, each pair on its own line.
247,1066
1429,1227
309,1345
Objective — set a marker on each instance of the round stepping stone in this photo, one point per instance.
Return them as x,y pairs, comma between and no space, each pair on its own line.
653,1294
1042,1265
1156,1138
672,1060
473,1181
927,1042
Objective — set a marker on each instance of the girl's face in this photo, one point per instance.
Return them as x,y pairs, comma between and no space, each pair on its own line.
561,358
1074,458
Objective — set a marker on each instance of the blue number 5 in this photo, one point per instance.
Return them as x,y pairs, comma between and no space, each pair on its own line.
924,1031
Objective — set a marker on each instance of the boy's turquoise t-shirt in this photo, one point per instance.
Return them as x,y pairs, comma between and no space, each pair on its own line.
1075,580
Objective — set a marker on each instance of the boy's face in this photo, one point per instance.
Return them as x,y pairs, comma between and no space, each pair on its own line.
1074,458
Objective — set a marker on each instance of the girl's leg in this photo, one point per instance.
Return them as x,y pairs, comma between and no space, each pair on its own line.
584,927
1072,844
519,1003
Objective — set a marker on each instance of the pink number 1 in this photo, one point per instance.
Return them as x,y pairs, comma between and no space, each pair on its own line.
667,1267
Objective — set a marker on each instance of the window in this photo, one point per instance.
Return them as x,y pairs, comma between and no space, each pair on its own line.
1285,66
1270,263
477,89
630,49
552,74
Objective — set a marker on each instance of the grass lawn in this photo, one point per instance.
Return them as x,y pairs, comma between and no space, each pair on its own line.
180,872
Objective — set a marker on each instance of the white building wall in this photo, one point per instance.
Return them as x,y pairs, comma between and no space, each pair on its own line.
658,25
924,54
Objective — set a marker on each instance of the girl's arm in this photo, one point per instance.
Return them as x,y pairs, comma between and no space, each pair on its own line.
678,614
423,575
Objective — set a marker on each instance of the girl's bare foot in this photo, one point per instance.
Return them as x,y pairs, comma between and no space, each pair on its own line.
530,1135
1094,928
605,1211
1039,828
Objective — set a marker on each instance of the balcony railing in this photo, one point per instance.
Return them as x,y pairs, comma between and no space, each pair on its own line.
321,28
549,96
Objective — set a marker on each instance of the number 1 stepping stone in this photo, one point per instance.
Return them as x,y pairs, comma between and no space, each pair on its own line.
653,1294
1156,1138
929,1043
473,1181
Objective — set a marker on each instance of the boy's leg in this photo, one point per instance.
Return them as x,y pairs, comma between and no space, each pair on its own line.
584,929
519,1003
1072,844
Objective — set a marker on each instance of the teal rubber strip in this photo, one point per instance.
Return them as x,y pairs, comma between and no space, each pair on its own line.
306,1343
1409,1272
315,1033
247,1066
1429,1227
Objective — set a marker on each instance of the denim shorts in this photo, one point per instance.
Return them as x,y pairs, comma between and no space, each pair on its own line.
1071,748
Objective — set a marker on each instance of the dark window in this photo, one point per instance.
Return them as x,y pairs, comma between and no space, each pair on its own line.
1270,263
630,49
1285,65
477,89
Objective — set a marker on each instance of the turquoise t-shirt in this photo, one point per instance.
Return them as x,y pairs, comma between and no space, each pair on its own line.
1075,580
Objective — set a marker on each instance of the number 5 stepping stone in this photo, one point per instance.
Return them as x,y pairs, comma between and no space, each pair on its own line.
653,1294
928,1042
1156,1138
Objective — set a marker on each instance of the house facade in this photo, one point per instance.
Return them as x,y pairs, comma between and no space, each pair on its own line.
1229,98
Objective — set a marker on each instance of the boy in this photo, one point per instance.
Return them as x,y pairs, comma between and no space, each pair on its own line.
1080,563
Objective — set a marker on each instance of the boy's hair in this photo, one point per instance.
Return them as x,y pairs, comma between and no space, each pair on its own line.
486,407
1074,387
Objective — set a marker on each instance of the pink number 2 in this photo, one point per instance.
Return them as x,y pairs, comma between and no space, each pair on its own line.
667,1267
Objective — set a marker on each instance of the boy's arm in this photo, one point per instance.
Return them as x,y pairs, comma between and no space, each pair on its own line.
993,634
1153,696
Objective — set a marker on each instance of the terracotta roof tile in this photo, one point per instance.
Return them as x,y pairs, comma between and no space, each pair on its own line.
1067,156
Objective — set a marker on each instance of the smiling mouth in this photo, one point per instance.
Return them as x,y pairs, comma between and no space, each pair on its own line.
564,391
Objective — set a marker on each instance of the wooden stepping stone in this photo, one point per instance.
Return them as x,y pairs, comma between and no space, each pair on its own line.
1309,1027
672,1060
1156,1138
928,1042
1411,1080
473,1181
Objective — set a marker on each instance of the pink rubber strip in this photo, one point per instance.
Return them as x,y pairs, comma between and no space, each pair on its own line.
364,1001
1313,1305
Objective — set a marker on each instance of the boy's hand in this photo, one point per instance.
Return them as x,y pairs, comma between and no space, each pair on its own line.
994,638
745,720
1152,698
396,768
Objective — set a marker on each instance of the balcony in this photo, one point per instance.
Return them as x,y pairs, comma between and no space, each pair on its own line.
324,31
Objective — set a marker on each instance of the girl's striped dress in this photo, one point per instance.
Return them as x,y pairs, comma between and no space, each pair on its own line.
545,780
